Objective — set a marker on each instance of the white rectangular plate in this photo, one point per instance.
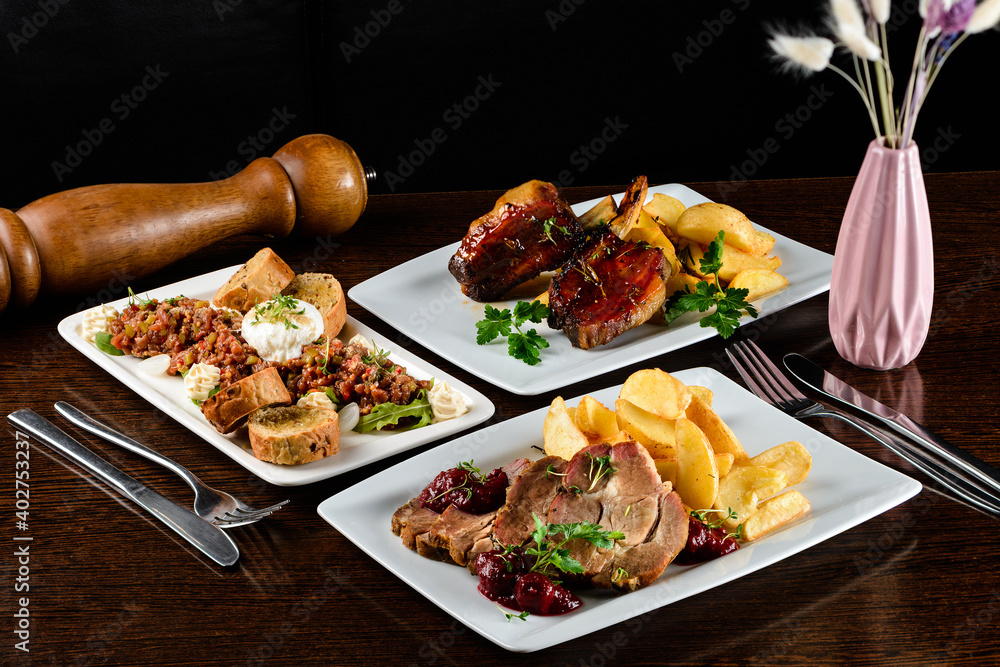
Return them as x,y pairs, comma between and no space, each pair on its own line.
421,299
844,489
167,394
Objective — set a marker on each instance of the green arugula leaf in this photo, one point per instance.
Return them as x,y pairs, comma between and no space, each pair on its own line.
103,342
386,414
523,345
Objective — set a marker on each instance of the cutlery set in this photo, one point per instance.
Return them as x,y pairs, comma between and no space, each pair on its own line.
966,477
214,510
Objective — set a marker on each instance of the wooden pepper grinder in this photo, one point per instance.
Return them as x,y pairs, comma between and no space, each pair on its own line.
79,240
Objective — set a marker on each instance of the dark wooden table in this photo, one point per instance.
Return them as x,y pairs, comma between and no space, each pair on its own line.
917,585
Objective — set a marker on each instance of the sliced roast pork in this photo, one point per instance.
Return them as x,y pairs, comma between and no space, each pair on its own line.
530,229
608,287
617,486
531,493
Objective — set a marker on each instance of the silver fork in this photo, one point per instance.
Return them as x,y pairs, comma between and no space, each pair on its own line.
767,382
214,506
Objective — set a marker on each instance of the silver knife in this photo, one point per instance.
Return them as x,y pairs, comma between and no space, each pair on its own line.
828,384
209,539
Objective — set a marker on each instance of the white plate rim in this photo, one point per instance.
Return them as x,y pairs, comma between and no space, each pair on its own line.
875,489
371,449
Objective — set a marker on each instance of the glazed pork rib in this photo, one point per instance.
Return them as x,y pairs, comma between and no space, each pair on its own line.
530,229
606,288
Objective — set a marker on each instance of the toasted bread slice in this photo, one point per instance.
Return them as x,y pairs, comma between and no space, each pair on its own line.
323,291
263,276
228,408
290,435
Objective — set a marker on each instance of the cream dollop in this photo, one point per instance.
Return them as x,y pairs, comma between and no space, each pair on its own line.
279,328
446,403
201,380
316,399
97,320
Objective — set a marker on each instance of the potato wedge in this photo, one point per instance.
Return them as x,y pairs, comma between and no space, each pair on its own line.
765,242
601,213
723,439
743,488
790,458
560,433
774,513
594,419
657,392
630,207
651,431
665,210
758,282
703,222
724,462
704,393
655,237
667,468
697,474
734,261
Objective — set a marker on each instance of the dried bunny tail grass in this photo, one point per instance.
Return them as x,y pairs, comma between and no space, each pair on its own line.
985,16
858,43
880,10
803,54
846,14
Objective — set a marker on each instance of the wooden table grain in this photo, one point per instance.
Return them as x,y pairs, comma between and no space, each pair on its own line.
104,584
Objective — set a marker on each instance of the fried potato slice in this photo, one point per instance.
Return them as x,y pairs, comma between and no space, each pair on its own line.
743,488
655,237
704,393
758,282
560,433
665,210
723,439
657,392
651,431
790,458
601,213
703,222
667,468
774,513
724,462
734,261
697,474
595,420
630,207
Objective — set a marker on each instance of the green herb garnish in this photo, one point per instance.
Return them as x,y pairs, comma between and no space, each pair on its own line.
523,345
103,342
702,515
523,615
604,467
552,556
549,225
728,302
386,414
134,299
277,309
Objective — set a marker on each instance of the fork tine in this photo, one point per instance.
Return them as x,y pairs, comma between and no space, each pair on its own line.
269,510
779,379
242,515
742,368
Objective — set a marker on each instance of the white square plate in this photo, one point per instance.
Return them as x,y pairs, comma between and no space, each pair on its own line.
844,489
167,394
421,299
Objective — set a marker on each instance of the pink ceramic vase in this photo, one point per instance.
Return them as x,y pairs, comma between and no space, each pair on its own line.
882,288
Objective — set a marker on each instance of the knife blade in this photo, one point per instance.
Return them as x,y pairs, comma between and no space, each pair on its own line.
207,538
828,384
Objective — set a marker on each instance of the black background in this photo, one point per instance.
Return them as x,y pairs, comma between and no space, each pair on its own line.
677,91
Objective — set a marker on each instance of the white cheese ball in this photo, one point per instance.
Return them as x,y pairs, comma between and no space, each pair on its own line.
278,332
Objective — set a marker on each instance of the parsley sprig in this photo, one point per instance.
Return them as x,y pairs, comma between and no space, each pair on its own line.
728,302
551,555
523,345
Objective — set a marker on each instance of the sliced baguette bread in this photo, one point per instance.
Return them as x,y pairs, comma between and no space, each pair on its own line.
323,291
263,276
291,435
228,408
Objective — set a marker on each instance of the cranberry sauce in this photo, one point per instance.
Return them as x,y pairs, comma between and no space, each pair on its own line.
466,490
704,543
505,579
